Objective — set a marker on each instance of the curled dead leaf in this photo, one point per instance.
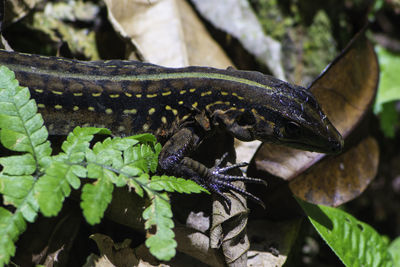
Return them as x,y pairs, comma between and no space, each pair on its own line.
347,177
348,86
345,91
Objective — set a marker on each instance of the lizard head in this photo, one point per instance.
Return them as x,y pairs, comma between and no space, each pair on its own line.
290,117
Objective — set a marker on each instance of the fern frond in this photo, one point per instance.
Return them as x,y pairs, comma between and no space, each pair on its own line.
159,224
96,197
11,226
21,130
26,164
173,184
158,215
65,170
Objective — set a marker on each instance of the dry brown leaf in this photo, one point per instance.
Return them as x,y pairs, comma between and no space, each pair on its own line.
166,32
284,162
348,87
345,91
197,245
340,179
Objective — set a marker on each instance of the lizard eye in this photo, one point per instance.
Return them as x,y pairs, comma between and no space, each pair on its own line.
292,129
246,118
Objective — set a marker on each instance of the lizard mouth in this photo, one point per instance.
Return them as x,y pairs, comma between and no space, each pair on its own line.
332,147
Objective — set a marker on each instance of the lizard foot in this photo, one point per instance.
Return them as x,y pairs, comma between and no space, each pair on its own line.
220,181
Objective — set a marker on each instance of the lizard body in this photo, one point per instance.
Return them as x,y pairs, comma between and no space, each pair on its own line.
181,106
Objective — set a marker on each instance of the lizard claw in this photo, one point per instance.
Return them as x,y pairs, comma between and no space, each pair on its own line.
220,180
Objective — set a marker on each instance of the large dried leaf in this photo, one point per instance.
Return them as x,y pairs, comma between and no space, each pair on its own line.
197,245
347,88
228,230
340,179
345,91
166,32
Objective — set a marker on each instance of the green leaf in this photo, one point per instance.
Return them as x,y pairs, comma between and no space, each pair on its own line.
394,250
144,138
158,215
173,184
17,190
95,199
64,170
106,154
145,155
142,157
22,128
18,165
29,207
354,242
138,182
52,188
79,141
11,226
388,91
389,119
389,82
122,144
15,141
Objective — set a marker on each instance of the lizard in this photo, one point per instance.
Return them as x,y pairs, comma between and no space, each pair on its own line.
180,106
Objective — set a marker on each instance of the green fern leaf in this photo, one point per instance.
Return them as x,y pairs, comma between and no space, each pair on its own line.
18,165
15,188
22,128
96,197
144,138
150,151
122,144
52,188
11,226
79,140
137,184
107,154
64,171
29,207
158,215
105,162
142,157
173,184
